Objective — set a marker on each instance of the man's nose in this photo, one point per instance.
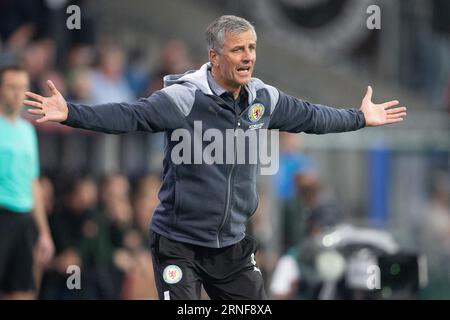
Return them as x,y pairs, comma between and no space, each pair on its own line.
248,56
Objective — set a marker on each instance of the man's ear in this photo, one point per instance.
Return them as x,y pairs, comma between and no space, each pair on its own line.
212,55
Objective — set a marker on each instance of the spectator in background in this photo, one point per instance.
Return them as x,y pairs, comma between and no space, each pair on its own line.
20,192
109,84
81,238
293,215
291,161
79,144
145,202
174,60
435,237
115,206
80,85
137,73
294,275
17,27
80,56
108,80
140,280
312,205
37,58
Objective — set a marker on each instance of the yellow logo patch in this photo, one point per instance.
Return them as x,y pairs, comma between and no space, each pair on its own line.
255,112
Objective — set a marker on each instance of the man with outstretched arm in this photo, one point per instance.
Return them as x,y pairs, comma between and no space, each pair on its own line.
198,230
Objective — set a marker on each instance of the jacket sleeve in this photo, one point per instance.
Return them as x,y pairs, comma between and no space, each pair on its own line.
155,113
295,115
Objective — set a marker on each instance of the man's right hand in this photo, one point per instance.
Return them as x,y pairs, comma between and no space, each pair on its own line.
53,108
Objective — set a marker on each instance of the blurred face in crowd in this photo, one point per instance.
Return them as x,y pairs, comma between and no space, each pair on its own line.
13,85
84,196
232,67
115,188
175,57
308,185
80,85
112,63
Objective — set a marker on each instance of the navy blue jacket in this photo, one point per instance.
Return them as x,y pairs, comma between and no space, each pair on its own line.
209,204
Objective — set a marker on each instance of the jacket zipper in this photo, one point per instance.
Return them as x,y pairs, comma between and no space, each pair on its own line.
228,198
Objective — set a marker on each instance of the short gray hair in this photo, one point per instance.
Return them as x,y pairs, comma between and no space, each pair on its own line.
216,31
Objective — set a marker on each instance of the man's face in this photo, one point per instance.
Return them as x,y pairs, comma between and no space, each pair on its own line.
233,65
12,90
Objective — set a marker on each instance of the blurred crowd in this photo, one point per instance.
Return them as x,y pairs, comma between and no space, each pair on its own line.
100,191
101,227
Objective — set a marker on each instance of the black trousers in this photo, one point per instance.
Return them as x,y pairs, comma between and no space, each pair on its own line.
228,273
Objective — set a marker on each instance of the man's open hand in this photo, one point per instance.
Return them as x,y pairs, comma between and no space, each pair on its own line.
381,114
53,108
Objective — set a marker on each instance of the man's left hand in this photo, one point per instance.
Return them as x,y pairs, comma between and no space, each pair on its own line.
381,114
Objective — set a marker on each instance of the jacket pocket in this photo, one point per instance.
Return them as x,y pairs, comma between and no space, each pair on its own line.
255,206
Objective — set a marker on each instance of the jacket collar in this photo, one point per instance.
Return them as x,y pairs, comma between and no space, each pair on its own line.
199,79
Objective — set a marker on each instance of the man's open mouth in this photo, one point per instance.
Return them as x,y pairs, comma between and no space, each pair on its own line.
243,70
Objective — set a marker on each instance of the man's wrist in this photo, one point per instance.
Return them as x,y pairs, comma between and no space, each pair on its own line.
362,119
68,120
